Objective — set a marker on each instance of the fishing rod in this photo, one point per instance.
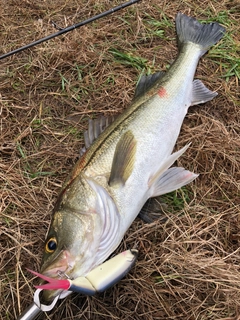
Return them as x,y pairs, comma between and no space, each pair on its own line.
70,28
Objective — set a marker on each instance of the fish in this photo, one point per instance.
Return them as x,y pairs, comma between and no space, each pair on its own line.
127,161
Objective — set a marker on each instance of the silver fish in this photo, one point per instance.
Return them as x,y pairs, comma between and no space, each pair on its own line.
129,162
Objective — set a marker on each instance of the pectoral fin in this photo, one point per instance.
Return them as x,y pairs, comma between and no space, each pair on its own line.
123,160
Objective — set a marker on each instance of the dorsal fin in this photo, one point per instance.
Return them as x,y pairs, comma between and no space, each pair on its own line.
146,82
95,128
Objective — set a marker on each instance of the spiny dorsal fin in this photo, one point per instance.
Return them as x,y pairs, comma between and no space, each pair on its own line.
123,160
146,82
95,128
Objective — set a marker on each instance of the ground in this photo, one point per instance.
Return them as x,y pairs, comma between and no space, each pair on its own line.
189,263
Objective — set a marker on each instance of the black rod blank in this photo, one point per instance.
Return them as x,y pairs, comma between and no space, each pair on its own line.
70,28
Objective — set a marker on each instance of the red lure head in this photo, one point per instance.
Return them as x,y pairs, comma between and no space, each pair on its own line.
53,284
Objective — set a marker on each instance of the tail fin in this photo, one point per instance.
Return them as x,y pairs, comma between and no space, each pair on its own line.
191,30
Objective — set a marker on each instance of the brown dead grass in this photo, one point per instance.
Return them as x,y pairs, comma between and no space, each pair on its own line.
189,266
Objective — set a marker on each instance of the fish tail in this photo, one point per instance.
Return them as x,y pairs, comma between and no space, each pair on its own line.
190,30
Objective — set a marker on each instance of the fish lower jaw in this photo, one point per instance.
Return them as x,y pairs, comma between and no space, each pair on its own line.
49,295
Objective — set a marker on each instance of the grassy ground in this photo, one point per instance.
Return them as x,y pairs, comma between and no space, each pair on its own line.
189,265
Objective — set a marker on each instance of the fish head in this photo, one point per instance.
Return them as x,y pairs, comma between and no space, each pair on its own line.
69,247
82,234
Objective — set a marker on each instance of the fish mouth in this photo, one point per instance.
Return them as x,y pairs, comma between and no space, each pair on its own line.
49,294
60,268
62,264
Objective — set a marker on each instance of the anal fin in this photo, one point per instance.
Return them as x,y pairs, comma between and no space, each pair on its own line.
200,93
123,160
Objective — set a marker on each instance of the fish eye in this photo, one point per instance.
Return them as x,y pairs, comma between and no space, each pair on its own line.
51,245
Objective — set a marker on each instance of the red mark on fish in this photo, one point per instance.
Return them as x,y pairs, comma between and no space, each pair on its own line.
162,92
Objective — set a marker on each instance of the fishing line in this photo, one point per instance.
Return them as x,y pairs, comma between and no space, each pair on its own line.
70,28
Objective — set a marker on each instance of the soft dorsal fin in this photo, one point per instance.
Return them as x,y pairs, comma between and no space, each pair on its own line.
123,160
146,82
95,128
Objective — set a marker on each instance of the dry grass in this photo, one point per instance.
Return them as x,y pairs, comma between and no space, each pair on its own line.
189,265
